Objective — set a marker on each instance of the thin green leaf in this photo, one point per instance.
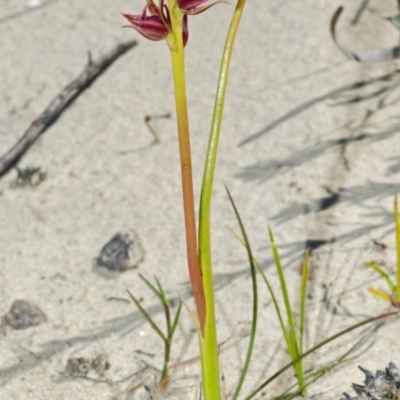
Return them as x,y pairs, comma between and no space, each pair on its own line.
310,379
271,291
319,345
147,316
175,322
282,280
209,347
151,287
382,295
161,291
303,293
163,299
383,274
293,347
276,305
255,300
315,375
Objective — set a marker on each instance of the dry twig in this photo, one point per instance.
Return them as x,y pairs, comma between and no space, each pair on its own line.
359,12
147,120
370,55
60,103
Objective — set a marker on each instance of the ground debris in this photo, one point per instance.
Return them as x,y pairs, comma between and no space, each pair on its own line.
84,367
24,315
123,251
29,176
382,385
59,104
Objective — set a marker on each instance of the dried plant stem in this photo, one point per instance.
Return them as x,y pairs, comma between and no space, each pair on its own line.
60,103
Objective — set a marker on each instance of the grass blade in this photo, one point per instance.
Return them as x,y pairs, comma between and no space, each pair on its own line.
175,322
383,274
163,299
277,309
315,375
282,280
319,345
272,293
147,316
293,347
209,346
161,291
303,293
255,300
382,295
310,379
151,287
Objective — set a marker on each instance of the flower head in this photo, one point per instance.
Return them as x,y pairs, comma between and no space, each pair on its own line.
155,26
151,27
154,22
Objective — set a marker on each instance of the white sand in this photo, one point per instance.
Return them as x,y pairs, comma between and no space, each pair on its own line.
289,97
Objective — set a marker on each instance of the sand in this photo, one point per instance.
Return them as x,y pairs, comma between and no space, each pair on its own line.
303,150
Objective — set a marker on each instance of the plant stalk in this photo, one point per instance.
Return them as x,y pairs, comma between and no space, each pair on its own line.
208,342
397,224
167,345
178,68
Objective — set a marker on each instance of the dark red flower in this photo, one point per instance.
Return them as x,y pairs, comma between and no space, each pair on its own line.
154,22
155,26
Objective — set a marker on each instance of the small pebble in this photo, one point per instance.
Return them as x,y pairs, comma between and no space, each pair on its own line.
123,251
24,315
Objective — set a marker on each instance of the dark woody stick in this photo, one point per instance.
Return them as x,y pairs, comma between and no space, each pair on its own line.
67,96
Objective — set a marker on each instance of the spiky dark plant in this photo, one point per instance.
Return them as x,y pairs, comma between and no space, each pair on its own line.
382,385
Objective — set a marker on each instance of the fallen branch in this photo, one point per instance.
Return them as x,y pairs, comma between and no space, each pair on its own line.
67,96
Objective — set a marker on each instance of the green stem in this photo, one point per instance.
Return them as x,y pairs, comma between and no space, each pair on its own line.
167,344
178,67
303,295
292,344
208,342
397,223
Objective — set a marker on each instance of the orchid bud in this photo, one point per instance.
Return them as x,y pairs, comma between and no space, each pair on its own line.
157,25
151,27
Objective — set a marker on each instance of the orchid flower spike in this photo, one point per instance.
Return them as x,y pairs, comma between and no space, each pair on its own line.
155,26
154,23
